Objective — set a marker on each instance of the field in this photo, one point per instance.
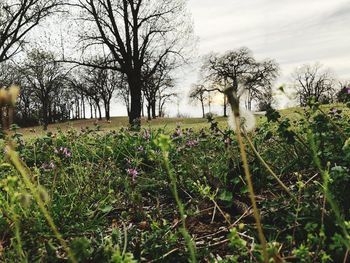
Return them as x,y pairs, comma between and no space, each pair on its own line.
117,123
176,191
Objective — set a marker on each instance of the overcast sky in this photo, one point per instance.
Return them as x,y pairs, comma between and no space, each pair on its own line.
293,32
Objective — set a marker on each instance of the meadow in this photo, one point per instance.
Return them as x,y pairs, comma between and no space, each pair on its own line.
87,191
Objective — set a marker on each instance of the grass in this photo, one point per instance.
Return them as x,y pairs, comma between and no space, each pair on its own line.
116,194
117,123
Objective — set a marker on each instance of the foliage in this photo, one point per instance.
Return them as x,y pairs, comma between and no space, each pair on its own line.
108,193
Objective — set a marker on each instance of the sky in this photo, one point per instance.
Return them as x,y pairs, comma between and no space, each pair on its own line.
292,32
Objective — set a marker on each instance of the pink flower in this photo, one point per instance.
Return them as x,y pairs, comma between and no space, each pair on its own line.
147,135
48,167
191,143
133,173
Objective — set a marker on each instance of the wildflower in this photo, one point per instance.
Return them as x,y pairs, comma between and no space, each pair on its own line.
48,166
348,90
189,131
227,141
147,135
52,165
67,153
140,148
133,173
247,120
63,151
177,133
334,111
191,143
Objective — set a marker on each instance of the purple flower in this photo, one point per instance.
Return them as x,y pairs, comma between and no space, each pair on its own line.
348,90
63,151
48,167
177,133
133,173
140,149
147,135
52,165
334,110
191,143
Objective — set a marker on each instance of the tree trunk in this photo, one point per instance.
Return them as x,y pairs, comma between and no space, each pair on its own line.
91,111
135,109
95,111
149,112
225,106
153,106
99,112
203,112
45,116
142,106
107,110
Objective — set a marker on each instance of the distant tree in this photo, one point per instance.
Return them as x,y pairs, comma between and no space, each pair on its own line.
258,84
313,81
198,93
155,86
165,94
45,78
85,83
133,28
265,99
103,84
17,19
239,69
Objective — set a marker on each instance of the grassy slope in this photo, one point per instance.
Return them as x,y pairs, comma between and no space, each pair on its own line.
117,123
167,123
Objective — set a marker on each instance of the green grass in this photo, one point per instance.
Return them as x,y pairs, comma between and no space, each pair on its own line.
117,123
107,193
294,113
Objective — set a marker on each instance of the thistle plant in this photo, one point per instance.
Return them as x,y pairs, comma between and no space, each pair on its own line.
233,100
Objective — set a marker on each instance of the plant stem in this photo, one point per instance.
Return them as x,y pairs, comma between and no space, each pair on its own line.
22,170
328,195
250,187
184,232
283,186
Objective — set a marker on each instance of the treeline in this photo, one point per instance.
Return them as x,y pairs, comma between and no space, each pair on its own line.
136,47
52,92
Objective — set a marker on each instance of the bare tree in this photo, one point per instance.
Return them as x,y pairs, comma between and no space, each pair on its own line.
258,84
165,94
157,85
45,77
239,69
17,19
197,93
102,83
312,81
132,28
